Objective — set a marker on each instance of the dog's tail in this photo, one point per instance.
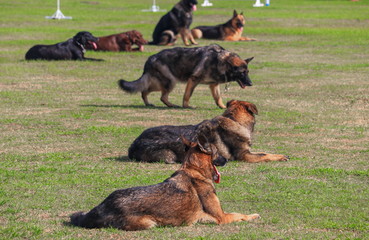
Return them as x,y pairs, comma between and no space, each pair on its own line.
196,33
87,220
139,85
166,37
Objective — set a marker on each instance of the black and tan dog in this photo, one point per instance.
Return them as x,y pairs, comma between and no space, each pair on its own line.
72,49
229,31
210,65
231,135
176,21
187,197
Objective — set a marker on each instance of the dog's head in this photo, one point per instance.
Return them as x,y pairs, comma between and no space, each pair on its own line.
203,157
190,4
241,111
235,68
238,20
86,40
136,38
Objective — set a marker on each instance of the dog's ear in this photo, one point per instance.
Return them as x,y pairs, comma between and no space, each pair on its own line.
248,60
241,13
204,145
251,108
234,13
188,143
231,102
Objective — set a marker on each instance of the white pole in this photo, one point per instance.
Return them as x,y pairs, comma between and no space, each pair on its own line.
258,4
154,8
206,3
58,14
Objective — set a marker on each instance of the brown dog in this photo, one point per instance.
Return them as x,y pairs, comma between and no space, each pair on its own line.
185,198
121,42
231,135
229,31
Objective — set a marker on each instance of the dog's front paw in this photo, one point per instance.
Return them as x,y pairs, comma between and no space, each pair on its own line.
251,217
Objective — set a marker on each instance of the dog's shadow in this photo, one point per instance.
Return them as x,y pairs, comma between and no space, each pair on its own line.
120,159
125,106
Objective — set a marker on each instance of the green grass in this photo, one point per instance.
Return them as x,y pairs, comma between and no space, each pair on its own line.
65,127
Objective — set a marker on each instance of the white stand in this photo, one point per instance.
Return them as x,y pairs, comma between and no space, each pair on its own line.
258,4
154,8
206,3
58,14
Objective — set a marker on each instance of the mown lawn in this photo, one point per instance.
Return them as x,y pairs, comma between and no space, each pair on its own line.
65,127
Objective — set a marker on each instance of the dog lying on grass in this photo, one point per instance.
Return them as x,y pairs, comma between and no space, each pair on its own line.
231,135
72,49
229,31
120,42
187,197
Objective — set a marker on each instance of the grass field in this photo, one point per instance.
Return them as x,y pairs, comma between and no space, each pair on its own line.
65,127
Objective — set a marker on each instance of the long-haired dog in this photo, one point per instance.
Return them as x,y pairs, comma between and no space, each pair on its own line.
187,197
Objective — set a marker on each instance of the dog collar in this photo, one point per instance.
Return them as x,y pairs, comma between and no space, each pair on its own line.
81,46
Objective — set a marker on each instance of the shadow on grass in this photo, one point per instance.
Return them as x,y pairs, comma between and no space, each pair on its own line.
126,106
145,107
127,159
120,159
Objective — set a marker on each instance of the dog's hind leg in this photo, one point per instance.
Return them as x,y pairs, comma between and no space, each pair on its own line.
165,98
191,84
135,223
145,99
262,157
215,91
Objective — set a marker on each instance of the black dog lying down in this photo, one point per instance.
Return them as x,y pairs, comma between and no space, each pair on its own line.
72,49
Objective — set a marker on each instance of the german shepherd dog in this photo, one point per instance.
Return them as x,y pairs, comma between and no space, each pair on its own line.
229,31
176,21
120,42
185,198
231,135
210,65
72,49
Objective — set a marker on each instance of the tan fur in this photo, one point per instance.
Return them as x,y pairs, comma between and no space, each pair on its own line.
187,197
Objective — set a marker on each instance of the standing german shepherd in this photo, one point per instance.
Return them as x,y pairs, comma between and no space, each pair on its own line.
231,135
229,31
176,21
210,65
185,198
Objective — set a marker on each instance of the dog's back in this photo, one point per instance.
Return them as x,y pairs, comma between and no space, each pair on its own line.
57,51
161,143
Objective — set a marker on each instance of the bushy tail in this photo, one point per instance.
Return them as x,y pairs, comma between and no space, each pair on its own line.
166,37
86,220
134,86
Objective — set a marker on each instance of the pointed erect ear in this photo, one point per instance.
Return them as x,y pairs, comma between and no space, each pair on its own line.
248,60
203,144
241,13
230,103
234,13
251,108
187,142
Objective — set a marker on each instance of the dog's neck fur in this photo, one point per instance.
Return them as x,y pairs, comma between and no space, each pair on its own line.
247,122
229,25
194,171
